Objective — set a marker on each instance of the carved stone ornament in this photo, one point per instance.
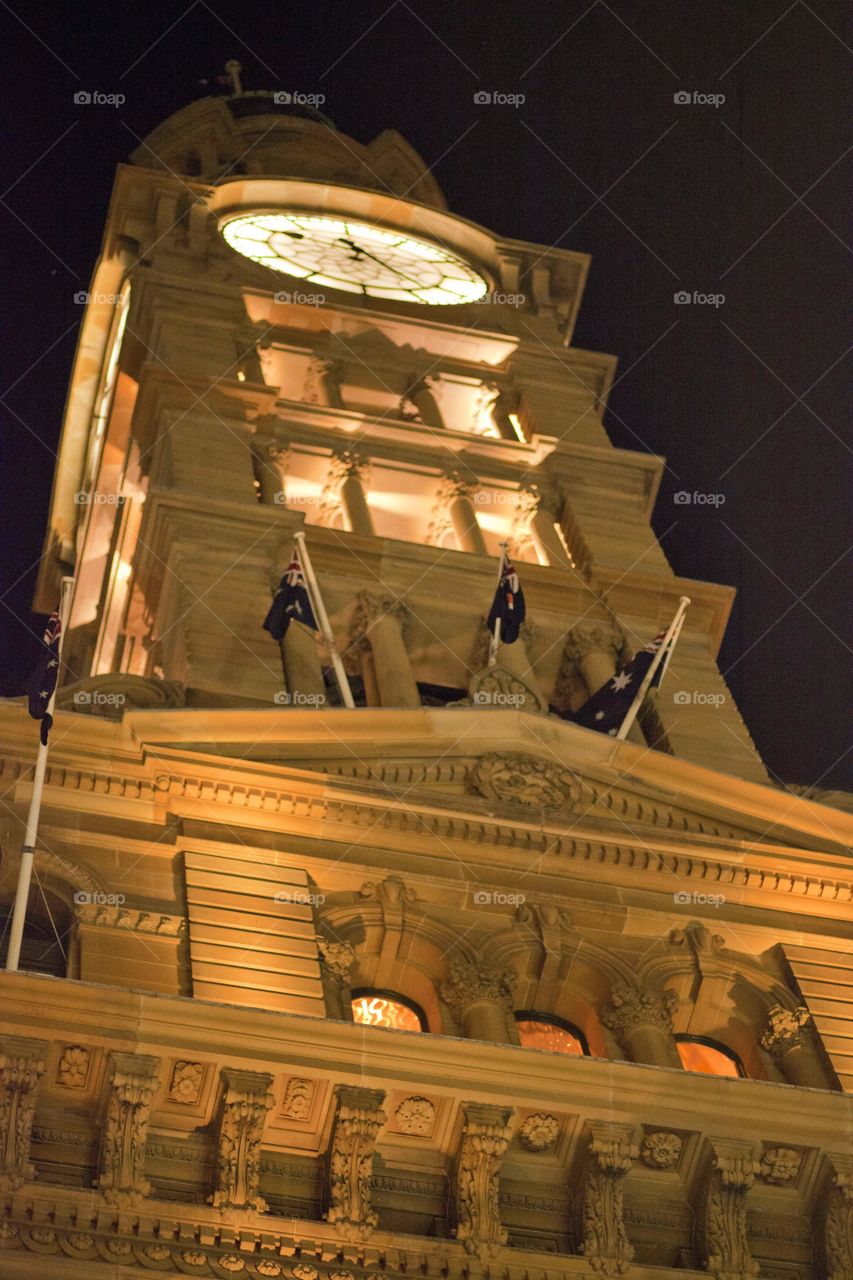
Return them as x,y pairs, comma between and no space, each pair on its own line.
539,1132
298,1096
415,1116
349,1160
595,637
72,1071
605,1240
779,1165
21,1068
519,778
660,1150
337,958
723,1236
486,1133
785,1029
186,1082
633,1006
496,687
245,1103
132,1082
471,983
371,608
838,1226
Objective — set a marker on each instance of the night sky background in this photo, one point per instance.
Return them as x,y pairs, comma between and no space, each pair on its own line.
745,199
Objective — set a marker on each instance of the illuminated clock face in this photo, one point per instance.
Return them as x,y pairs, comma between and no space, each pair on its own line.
357,257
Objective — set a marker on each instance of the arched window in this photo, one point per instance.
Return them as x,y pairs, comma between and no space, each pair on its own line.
387,1009
41,950
707,1057
545,1031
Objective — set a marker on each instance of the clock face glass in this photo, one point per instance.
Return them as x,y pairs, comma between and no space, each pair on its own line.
357,257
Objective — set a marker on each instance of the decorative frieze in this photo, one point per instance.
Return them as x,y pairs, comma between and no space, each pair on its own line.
131,1083
611,1153
349,1159
21,1067
137,921
723,1240
520,778
486,1133
246,1100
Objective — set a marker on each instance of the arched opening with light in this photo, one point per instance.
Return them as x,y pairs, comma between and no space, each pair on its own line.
387,1009
554,1035
708,1057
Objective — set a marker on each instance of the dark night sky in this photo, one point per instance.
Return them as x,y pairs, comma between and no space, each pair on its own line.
743,199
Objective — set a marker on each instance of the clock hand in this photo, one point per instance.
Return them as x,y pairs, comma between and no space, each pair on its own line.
358,252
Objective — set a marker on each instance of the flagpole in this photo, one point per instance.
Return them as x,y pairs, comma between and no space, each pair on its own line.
25,871
666,647
495,642
672,645
323,619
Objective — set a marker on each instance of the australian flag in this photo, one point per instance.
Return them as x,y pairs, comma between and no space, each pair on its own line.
508,604
42,682
291,602
608,707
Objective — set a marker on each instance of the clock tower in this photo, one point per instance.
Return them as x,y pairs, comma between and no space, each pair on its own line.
441,982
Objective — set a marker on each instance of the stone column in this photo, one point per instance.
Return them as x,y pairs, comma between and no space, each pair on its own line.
543,522
347,474
456,495
322,383
595,647
837,1226
132,1082
721,1221
612,1151
476,1203
500,408
336,960
641,1019
480,999
21,1068
349,1159
789,1040
245,1102
418,393
303,673
269,473
380,621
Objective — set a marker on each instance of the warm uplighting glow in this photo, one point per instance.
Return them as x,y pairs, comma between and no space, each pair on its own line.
550,1036
706,1059
516,426
355,257
382,1011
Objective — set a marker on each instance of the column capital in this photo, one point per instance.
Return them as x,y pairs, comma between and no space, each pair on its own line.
591,637
457,484
372,608
786,1029
638,1006
337,958
471,983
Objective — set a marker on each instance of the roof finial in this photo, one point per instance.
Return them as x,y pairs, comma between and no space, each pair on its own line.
232,70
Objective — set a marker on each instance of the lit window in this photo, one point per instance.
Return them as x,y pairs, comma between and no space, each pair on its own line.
552,1034
709,1059
379,1009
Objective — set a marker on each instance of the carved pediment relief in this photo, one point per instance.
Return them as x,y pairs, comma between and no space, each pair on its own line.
520,778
